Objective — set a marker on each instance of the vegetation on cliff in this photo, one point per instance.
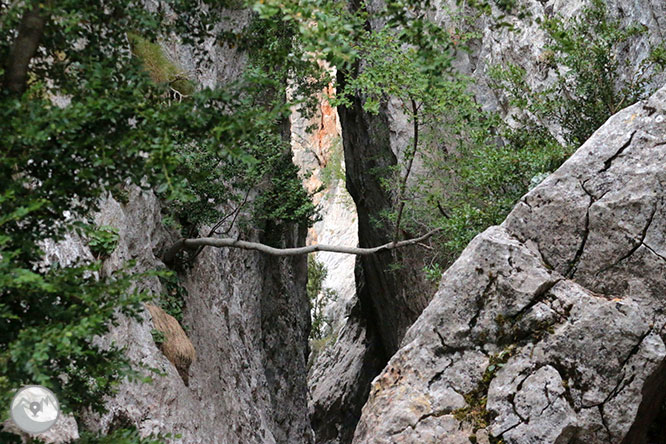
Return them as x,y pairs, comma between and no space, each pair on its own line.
90,104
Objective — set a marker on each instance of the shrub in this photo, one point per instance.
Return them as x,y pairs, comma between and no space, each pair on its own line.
319,297
102,241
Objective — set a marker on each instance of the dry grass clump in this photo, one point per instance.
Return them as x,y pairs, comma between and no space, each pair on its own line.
176,346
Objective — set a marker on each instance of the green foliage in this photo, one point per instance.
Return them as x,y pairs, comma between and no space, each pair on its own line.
172,300
285,201
158,336
125,435
51,343
484,181
262,161
586,53
102,241
319,297
475,412
433,272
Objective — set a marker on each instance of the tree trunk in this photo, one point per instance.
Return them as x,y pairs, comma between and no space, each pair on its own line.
24,48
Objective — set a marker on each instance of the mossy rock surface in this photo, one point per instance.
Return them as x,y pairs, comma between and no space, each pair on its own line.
160,68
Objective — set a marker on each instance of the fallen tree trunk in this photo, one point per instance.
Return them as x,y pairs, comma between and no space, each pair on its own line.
183,244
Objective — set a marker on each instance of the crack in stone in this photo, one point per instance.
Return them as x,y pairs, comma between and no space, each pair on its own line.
641,241
586,232
512,401
581,248
437,376
603,421
622,382
550,401
562,370
435,414
609,161
508,429
538,297
636,348
480,304
447,347
654,252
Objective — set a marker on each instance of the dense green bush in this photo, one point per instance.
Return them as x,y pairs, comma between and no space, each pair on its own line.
102,241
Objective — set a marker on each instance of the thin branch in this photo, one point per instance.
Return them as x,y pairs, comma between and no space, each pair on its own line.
236,213
403,185
182,244
442,212
213,230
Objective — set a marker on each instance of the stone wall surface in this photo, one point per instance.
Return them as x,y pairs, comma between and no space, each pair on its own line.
553,321
246,315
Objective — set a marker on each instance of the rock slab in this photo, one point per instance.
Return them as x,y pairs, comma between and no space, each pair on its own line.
550,327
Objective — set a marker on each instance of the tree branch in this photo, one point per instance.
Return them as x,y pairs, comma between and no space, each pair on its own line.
170,255
213,230
24,48
403,185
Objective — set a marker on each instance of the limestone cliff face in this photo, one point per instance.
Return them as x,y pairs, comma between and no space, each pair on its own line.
388,303
316,145
245,314
553,321
247,319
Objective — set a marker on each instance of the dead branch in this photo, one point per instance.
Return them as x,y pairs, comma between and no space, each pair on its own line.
403,185
182,244
213,230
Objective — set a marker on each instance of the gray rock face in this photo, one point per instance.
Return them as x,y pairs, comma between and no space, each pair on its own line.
246,315
339,381
553,321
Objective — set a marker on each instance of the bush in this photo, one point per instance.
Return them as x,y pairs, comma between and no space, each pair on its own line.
319,297
586,54
102,241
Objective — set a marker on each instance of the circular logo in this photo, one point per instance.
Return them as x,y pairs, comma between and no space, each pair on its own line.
35,409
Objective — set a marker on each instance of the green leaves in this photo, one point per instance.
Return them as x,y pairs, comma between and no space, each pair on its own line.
587,56
48,321
102,240
319,298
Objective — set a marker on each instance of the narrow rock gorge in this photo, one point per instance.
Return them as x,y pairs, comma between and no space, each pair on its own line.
548,327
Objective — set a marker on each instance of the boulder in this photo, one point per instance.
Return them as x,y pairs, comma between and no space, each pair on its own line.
550,327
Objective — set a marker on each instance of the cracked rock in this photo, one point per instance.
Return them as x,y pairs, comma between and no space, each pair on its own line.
550,327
